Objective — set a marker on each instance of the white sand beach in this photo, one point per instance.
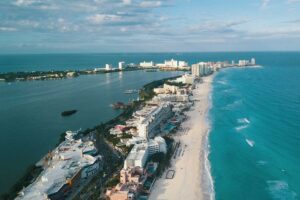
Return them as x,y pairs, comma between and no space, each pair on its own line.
189,162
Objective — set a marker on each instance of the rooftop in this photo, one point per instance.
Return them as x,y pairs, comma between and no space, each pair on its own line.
66,161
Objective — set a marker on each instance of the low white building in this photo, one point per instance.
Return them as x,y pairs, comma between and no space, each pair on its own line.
171,98
71,161
141,151
147,64
186,79
137,157
183,64
171,63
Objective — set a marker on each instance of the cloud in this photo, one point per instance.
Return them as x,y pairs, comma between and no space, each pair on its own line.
103,18
127,2
7,29
265,3
25,2
150,4
293,1
157,24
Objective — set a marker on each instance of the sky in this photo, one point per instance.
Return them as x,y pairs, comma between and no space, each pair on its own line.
84,26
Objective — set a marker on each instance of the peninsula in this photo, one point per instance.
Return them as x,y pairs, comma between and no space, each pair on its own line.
151,150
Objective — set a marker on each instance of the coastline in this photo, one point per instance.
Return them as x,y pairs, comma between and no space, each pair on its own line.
33,170
192,177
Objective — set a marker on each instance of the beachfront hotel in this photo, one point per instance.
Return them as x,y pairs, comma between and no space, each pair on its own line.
243,63
141,152
64,169
150,119
147,64
137,156
108,67
202,69
121,65
175,63
157,117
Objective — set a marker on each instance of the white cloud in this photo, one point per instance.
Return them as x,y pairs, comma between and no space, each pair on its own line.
103,18
150,4
7,29
265,3
293,1
25,2
127,2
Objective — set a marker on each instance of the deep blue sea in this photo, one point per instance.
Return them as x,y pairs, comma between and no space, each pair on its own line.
255,116
255,130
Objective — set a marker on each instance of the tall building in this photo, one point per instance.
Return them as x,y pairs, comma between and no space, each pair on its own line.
196,70
252,61
121,65
108,67
202,69
148,125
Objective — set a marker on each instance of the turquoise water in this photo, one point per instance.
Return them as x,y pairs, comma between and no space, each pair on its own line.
255,130
255,115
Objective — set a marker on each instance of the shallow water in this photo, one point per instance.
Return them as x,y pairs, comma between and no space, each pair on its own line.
255,136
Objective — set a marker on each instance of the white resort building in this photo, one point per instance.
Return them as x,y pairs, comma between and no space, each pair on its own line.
150,119
121,65
147,64
65,166
141,152
202,69
108,67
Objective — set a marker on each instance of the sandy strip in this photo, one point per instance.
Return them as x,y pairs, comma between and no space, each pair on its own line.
189,163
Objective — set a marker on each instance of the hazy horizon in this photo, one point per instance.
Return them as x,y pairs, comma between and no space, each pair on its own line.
149,52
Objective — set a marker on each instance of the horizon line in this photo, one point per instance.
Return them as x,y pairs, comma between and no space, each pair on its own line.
152,52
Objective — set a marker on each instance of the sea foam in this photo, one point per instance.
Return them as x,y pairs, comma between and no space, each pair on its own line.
208,184
243,121
251,143
279,189
222,82
239,128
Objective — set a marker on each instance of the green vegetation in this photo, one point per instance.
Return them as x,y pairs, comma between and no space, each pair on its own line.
53,75
113,181
147,91
180,84
35,75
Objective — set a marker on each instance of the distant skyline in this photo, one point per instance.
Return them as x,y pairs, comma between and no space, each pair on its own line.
77,26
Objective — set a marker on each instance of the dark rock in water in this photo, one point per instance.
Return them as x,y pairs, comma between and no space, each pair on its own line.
118,105
68,113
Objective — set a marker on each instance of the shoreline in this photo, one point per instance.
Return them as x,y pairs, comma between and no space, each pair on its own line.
17,186
192,178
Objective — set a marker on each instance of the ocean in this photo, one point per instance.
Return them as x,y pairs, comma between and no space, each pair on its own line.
255,129
254,138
